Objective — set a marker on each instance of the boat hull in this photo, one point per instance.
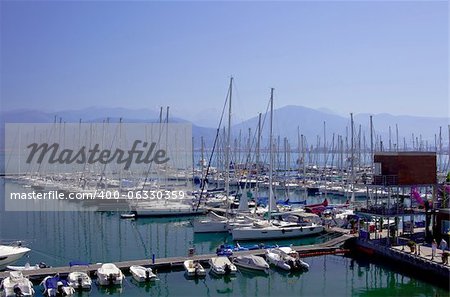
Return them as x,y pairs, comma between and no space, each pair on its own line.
10,254
210,226
249,233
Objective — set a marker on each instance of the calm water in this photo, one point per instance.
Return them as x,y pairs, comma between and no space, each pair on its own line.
59,237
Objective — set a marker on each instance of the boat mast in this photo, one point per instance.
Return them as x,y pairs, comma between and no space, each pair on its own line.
270,154
227,150
352,159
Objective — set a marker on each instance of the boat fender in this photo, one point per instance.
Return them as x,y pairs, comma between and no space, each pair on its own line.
283,231
147,275
80,282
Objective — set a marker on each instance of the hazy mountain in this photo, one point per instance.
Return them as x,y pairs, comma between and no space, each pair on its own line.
286,120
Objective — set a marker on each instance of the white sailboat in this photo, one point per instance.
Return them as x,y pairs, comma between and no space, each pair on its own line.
268,230
166,208
214,223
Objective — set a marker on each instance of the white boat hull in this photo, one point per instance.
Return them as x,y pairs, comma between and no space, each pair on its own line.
10,254
194,269
276,260
109,275
246,262
18,285
142,274
79,281
222,266
210,226
271,232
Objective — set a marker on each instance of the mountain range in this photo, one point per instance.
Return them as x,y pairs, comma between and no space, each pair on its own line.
288,120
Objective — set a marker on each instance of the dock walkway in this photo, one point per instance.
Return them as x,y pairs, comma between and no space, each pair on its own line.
329,247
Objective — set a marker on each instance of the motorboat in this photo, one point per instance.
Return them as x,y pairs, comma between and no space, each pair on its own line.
142,274
194,268
222,266
251,262
277,260
78,277
285,258
109,275
11,253
16,285
27,267
56,286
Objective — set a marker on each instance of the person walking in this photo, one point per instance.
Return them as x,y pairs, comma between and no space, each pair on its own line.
433,249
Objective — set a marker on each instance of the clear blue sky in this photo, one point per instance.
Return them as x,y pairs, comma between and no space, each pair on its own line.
345,56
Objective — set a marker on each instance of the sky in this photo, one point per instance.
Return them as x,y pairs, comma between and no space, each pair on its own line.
356,56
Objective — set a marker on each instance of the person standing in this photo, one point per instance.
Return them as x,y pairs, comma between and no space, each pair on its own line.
443,245
433,249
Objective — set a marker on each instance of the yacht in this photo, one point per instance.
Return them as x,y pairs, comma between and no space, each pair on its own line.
16,285
222,266
11,253
108,275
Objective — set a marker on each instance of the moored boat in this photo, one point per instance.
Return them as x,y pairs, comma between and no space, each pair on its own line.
194,269
16,285
222,266
142,274
56,286
108,275
11,253
251,262
78,277
286,258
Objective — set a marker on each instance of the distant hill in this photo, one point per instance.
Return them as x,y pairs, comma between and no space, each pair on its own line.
286,120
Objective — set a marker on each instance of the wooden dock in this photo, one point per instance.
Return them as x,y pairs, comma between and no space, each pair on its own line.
173,263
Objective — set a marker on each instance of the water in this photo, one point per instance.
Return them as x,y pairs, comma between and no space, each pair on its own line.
59,237
328,276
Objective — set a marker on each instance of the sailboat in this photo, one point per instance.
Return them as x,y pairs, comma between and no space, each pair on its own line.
215,222
266,229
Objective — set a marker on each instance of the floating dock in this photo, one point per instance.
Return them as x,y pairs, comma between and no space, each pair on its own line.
329,247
